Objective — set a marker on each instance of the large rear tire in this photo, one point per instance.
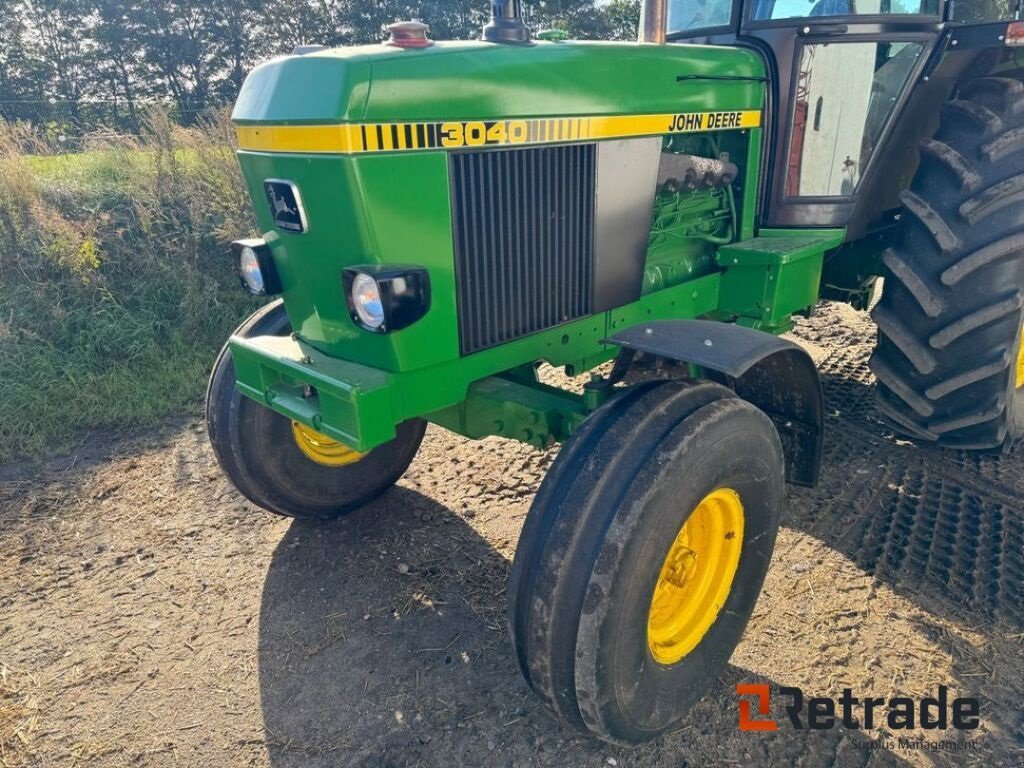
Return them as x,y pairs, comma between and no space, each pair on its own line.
283,466
643,555
949,362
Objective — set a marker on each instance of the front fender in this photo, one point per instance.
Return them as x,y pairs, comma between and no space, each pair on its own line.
773,373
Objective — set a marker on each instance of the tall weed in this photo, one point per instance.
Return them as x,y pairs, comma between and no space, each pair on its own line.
115,279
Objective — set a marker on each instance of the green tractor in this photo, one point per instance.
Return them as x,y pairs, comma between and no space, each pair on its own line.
441,218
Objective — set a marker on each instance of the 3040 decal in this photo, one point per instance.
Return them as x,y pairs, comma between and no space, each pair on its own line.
480,134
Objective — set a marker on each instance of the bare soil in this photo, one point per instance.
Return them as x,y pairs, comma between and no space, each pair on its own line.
149,616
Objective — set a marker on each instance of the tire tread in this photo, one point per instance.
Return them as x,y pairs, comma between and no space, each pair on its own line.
949,320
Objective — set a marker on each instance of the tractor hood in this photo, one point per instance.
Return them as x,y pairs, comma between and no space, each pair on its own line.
473,80
347,156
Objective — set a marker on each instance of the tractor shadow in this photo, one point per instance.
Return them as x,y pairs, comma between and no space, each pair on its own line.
382,642
382,639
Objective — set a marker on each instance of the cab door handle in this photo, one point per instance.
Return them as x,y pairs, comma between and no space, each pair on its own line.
824,29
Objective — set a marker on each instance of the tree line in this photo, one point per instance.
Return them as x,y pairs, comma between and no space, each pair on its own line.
74,66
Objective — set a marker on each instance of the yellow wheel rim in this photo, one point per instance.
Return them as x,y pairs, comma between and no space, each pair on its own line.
696,576
322,449
1020,363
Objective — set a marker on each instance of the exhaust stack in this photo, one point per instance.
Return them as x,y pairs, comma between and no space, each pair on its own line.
653,16
506,24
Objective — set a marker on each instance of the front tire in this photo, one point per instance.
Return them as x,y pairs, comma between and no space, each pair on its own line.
284,467
643,555
949,362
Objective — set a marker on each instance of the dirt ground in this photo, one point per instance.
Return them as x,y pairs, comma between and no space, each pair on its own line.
151,617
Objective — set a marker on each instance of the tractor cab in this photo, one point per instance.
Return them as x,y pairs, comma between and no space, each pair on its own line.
854,85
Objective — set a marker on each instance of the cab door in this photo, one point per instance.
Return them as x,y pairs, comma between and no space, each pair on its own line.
842,74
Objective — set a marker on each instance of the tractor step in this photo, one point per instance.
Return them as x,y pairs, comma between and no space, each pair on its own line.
770,250
768,278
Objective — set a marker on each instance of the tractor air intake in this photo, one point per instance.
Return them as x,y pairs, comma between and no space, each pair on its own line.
506,24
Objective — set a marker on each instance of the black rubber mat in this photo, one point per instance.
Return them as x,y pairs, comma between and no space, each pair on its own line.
933,529
949,524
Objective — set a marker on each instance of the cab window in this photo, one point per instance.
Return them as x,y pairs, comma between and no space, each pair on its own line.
983,11
689,15
846,93
774,10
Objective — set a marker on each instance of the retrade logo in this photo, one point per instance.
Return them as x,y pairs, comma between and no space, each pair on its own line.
822,713
762,695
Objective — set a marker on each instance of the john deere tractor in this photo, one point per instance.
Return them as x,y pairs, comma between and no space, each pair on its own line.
440,218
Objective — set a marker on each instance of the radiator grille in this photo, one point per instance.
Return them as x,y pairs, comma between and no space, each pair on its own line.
524,240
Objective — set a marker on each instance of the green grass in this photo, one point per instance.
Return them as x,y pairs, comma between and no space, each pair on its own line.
83,165
116,294
100,167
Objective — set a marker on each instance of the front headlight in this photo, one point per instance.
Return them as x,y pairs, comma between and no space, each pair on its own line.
255,267
366,301
385,298
249,271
